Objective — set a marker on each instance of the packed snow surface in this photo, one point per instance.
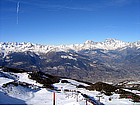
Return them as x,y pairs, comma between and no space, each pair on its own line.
24,77
66,93
4,80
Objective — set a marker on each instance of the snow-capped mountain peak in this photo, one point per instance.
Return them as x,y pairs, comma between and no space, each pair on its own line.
111,40
89,42
108,44
112,44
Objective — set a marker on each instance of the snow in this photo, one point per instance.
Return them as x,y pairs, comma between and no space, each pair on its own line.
70,86
66,93
63,86
41,97
7,100
24,77
45,97
108,44
133,82
4,80
115,100
133,91
26,95
68,57
74,82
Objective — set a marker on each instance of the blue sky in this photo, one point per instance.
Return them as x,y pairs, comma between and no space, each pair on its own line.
69,21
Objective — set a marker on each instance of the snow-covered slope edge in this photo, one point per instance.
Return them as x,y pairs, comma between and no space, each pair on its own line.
22,88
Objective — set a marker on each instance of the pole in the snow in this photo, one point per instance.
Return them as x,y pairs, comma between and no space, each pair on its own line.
76,97
53,98
86,101
99,96
61,89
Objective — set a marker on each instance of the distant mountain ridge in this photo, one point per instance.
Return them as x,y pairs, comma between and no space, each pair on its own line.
111,60
108,44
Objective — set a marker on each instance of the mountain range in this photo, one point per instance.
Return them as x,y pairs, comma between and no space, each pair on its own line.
109,61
